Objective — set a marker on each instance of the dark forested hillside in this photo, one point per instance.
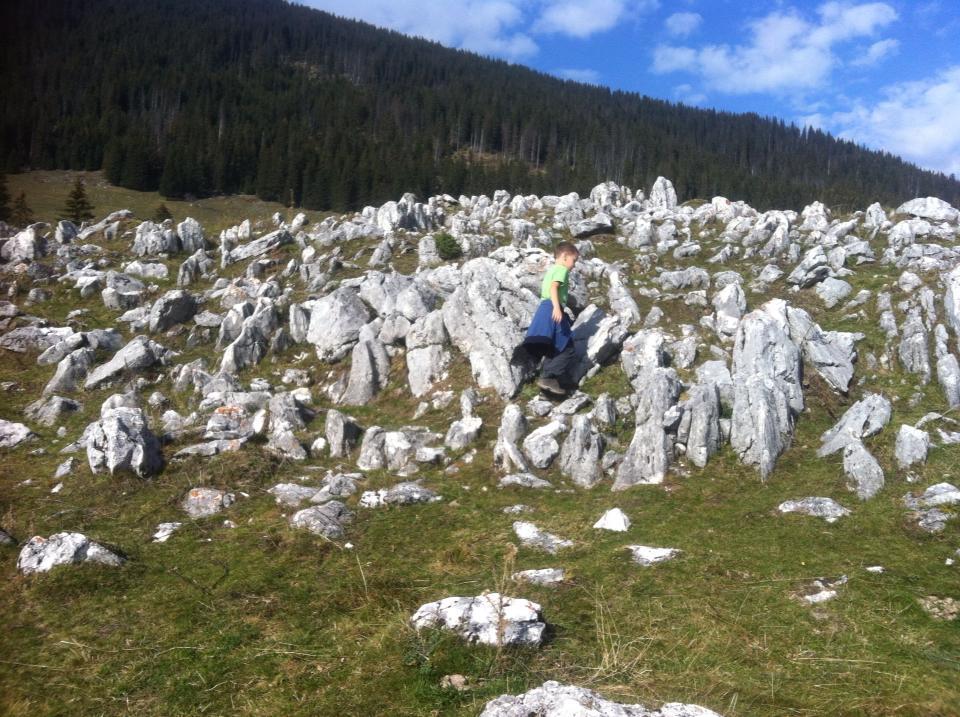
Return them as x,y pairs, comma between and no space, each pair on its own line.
260,96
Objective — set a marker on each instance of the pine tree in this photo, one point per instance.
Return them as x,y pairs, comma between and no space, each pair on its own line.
78,208
4,199
22,215
161,213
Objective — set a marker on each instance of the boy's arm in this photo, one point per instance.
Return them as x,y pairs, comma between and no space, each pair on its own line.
555,300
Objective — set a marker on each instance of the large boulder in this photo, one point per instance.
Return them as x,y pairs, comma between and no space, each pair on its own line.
335,323
121,441
767,391
13,434
486,317
174,307
863,419
651,451
931,208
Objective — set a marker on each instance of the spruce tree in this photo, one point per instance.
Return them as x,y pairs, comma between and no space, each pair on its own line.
161,213
78,208
22,215
4,199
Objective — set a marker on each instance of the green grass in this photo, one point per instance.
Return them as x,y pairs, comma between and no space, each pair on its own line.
261,619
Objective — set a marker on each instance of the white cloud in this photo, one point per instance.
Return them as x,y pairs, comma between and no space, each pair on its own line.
492,27
590,77
878,51
785,52
681,24
688,95
583,18
916,120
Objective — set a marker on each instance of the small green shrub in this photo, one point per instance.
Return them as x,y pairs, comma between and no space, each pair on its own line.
447,246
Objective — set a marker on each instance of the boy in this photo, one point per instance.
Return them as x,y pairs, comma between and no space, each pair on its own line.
549,334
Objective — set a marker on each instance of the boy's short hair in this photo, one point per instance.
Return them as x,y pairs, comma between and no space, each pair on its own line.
565,248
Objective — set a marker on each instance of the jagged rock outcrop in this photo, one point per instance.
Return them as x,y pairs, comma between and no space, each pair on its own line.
40,555
122,441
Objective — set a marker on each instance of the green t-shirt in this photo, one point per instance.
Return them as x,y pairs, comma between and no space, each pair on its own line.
555,273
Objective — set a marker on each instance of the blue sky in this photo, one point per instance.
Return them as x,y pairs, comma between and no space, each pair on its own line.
883,74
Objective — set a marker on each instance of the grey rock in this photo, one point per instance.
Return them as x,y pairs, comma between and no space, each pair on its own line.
581,453
342,433
40,555
204,502
328,520
489,619
29,339
485,317
152,239
427,357
598,224
597,338
951,299
292,494
400,451
913,350
139,354
684,279
462,433
513,426
948,376
49,411
613,519
553,699
622,303
524,480
147,269
650,453
164,531
930,208
646,349
257,247
544,576
912,446
864,474
253,341
812,269
13,434
407,493
646,555
121,441
541,446
195,267
818,507
174,307
662,195
703,437
935,496
832,291
369,370
191,235
531,536
863,419
71,371
335,323
730,303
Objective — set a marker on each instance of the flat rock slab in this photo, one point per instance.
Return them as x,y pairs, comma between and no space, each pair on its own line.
164,531
40,554
401,494
646,555
292,494
490,619
818,507
553,699
935,495
531,536
327,520
203,502
544,576
524,480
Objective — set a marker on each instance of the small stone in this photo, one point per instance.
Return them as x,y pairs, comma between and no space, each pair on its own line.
818,507
545,576
646,555
614,519
164,531
531,536
203,502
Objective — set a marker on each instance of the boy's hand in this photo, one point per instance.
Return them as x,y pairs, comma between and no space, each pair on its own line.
557,314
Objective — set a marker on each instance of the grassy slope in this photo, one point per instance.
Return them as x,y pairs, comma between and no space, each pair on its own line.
263,620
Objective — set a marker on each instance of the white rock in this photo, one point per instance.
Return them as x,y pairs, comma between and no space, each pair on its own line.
614,519
646,555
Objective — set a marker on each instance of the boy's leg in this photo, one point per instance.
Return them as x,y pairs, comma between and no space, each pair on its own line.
560,365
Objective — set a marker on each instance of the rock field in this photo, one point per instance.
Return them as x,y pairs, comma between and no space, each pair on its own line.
711,327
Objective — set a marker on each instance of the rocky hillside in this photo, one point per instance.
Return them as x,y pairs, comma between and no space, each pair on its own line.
292,383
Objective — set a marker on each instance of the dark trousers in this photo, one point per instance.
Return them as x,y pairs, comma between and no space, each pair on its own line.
559,365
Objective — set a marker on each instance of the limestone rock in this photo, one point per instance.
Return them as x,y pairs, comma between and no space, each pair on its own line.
489,619
204,502
650,452
335,323
531,536
174,307
863,419
541,446
400,494
121,441
581,453
139,354
646,555
40,555
864,474
912,446
328,520
615,520
13,434
553,699
818,507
